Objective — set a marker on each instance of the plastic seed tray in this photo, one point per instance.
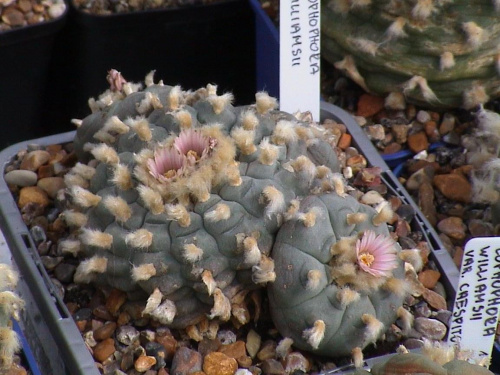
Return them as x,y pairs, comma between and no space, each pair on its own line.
57,343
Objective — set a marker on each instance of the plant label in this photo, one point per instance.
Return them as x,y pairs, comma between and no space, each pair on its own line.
477,303
300,56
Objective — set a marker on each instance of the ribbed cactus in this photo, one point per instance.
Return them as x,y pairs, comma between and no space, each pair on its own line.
435,52
10,305
179,197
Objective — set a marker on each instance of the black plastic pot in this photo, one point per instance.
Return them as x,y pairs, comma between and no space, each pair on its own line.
25,55
190,46
63,346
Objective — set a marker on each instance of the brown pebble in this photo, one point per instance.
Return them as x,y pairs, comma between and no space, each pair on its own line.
13,17
392,148
34,160
115,301
369,105
453,186
426,202
169,343
102,313
267,350
418,142
429,278
104,349
144,363
217,363
296,361
51,185
32,194
344,141
186,361
434,300
237,350
453,227
105,332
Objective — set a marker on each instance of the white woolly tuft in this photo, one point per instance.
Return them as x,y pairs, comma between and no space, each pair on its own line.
339,184
423,9
421,83
73,180
149,79
153,302
384,213
264,102
348,66
264,271
407,319
8,277
313,279
220,102
309,218
222,306
152,199
284,347
131,87
10,345
86,269
474,96
475,35
105,154
74,218
178,213
84,198
446,61
141,126
146,104
304,167
211,89
413,257
356,218
143,272
165,313
244,140
268,152
346,296
72,247
175,98
115,125
357,357
122,177
184,118
315,334
395,100
251,251
220,212
104,136
139,239
275,201
118,207
77,122
374,327
364,45
96,238
249,120
396,29
192,253
209,281
11,303
284,133
83,170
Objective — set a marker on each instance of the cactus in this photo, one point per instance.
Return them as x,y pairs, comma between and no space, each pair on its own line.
10,305
442,54
179,197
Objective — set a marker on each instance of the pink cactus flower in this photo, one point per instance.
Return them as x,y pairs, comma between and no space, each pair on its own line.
115,80
194,145
166,164
376,254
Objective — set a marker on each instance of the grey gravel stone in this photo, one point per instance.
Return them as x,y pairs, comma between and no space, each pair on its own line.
127,334
432,329
21,178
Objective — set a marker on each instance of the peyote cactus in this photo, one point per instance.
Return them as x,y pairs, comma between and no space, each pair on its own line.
182,198
10,305
438,53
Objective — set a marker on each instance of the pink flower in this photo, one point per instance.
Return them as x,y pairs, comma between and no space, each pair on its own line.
194,145
166,164
115,80
376,254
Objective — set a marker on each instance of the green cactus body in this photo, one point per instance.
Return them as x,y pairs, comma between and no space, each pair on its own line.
317,280
437,53
182,200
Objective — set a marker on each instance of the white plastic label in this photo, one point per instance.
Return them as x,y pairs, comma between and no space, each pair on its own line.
300,56
477,304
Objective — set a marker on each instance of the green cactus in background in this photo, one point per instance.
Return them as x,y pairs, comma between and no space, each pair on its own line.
179,197
437,53
10,305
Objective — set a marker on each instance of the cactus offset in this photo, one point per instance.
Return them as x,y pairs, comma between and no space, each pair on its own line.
438,53
182,198
10,305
